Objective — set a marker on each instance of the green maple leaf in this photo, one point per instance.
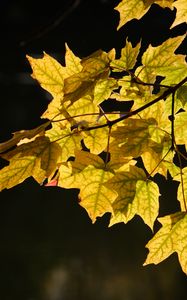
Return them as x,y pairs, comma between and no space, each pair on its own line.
94,196
172,237
162,60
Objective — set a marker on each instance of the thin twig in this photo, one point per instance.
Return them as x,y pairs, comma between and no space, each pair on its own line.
182,181
108,145
172,121
164,95
159,163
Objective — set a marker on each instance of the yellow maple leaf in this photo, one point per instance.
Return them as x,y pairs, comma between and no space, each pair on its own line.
181,15
48,72
37,159
124,183
128,58
130,9
88,174
171,237
20,135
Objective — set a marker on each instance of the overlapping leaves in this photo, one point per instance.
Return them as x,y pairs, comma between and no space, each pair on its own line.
82,146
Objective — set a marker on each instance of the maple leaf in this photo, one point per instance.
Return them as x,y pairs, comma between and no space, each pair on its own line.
136,196
66,151
48,72
181,95
171,237
130,89
133,137
103,89
180,128
181,15
94,196
20,135
182,188
94,68
128,58
165,3
158,158
130,9
67,139
125,185
161,60
145,203
37,159
72,62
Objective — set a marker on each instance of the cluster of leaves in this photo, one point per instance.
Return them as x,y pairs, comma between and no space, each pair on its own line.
82,146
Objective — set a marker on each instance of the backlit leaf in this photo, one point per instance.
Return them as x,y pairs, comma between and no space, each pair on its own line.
48,72
94,196
19,135
96,140
103,89
172,237
182,188
181,15
68,140
145,203
37,159
128,58
124,183
73,63
182,95
180,128
161,59
133,137
130,9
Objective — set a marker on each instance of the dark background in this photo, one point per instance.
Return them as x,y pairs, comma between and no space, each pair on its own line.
49,250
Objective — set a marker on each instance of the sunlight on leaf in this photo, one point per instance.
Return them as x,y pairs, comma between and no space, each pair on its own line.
37,159
170,238
48,72
128,58
130,9
145,203
181,15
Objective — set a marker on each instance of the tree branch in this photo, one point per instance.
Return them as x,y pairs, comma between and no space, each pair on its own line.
169,91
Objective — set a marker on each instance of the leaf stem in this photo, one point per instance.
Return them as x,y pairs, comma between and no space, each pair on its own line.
182,181
172,121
